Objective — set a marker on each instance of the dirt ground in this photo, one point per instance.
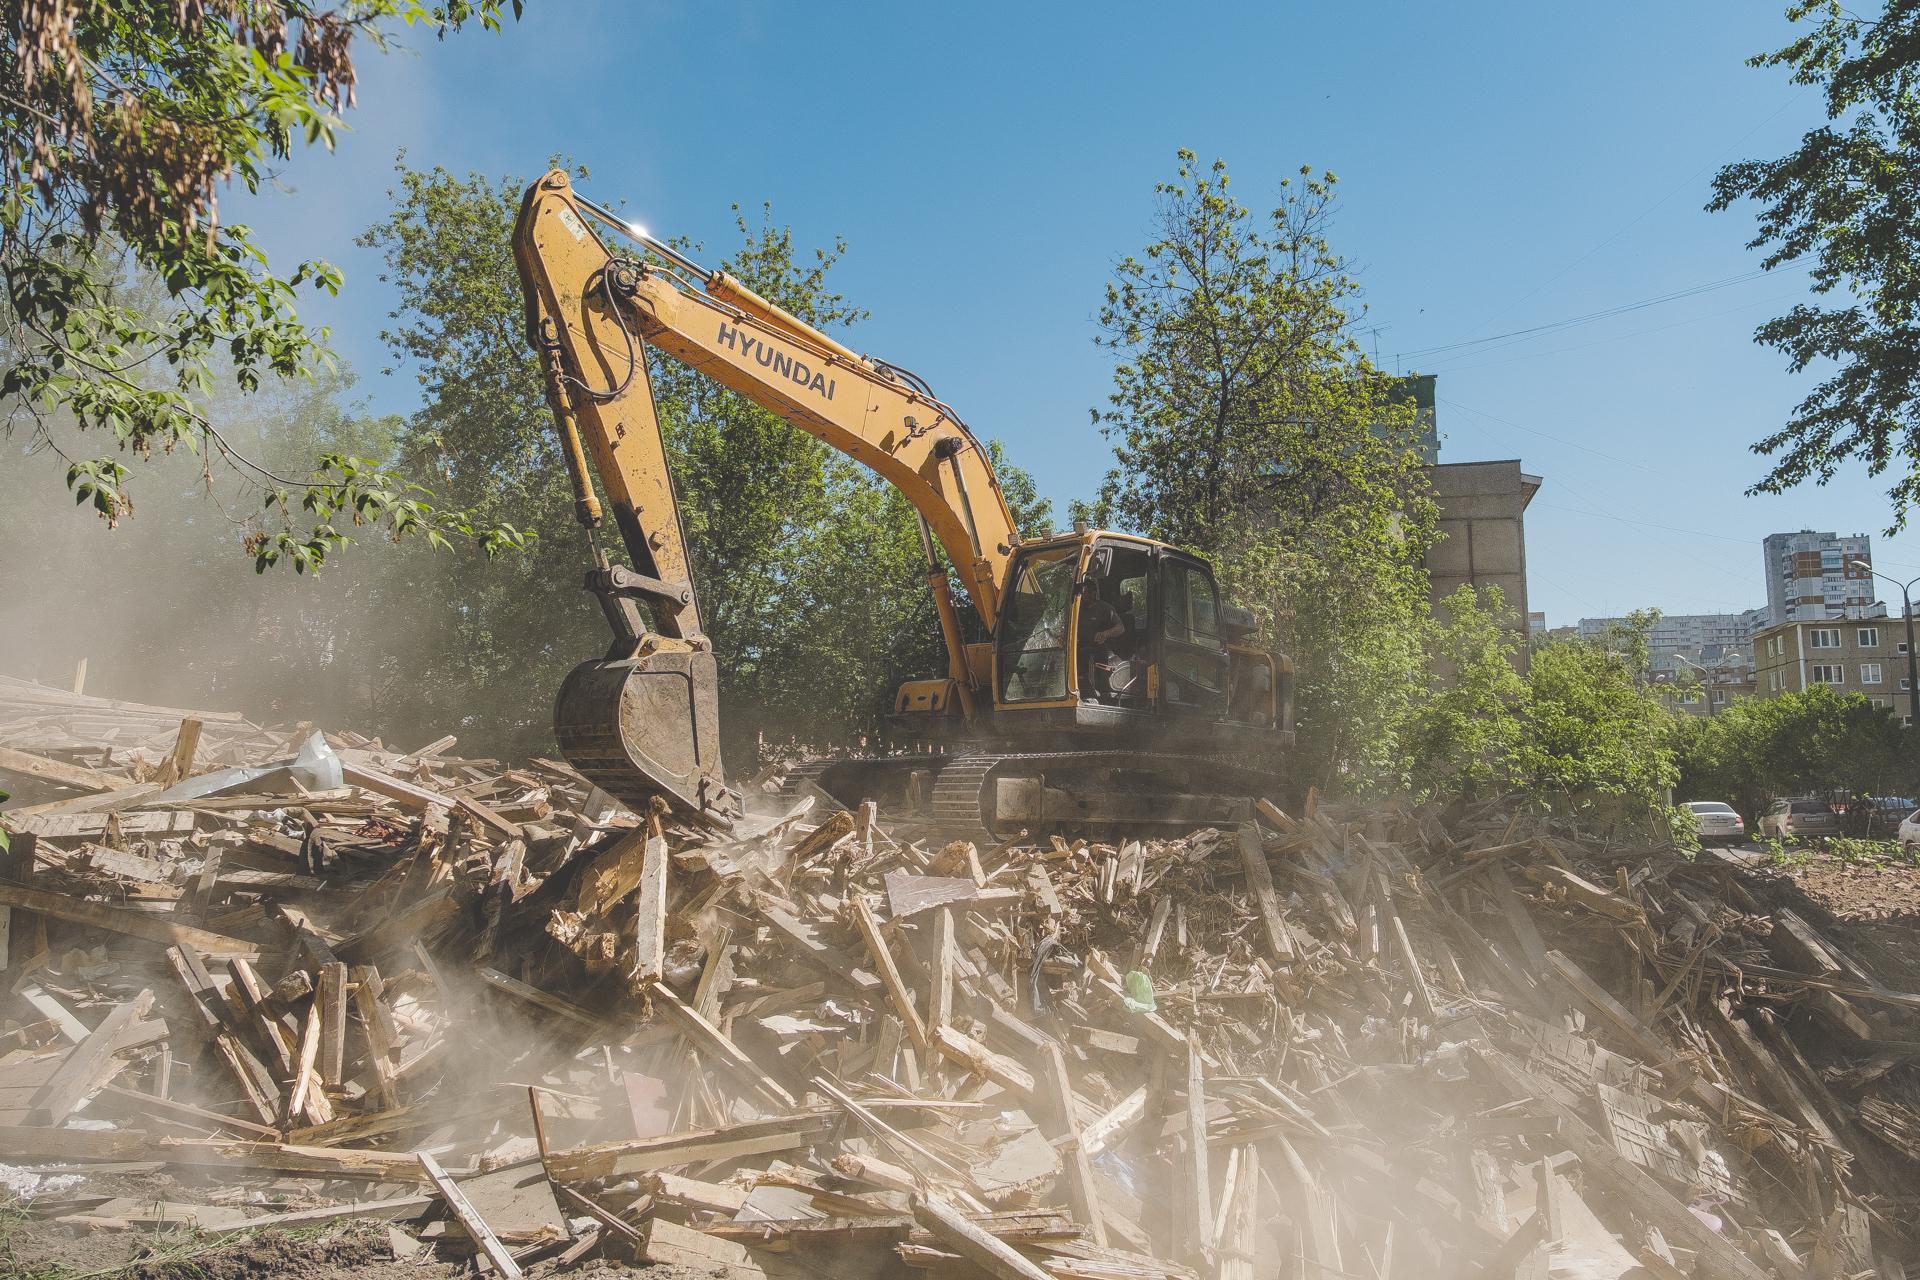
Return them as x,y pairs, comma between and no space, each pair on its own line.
1872,908
360,1250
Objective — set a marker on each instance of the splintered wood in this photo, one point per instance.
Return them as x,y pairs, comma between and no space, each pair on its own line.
1325,1043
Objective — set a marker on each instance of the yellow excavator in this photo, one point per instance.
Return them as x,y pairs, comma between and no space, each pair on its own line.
1112,688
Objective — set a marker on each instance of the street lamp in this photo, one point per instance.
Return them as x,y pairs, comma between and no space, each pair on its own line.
1913,660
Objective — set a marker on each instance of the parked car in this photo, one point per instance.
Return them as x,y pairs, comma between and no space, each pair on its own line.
1877,816
1716,821
1910,831
1799,820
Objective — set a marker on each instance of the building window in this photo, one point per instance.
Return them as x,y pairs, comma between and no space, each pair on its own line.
1869,673
1869,637
1773,681
1825,673
1901,648
1823,638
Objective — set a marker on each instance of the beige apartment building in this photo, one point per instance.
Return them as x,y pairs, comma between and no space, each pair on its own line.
1852,655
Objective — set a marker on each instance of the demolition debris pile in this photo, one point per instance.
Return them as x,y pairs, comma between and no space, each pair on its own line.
262,979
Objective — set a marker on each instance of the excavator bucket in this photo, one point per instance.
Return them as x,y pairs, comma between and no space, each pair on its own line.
645,726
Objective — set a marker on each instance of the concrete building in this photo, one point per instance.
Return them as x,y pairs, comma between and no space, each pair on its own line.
1707,683
1864,655
1811,576
1483,531
1536,626
1686,632
1419,388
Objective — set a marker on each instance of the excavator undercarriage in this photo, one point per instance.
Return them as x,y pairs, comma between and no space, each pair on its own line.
1042,791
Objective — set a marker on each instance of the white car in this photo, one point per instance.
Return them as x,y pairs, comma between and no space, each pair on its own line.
1910,831
1717,821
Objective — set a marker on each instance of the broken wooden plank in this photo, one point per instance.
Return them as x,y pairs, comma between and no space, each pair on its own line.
650,935
1061,1119
330,1000
992,1255
88,1065
719,1049
469,1218
1253,856
890,972
60,773
539,999
769,1134
134,924
179,761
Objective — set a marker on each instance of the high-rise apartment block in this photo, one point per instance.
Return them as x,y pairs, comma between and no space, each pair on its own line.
1815,576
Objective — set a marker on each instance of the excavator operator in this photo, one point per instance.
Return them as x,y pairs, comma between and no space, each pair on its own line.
1107,640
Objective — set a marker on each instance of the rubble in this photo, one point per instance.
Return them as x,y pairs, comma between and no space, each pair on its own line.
517,1022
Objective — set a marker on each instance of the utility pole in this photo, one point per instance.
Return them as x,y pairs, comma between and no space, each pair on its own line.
1913,659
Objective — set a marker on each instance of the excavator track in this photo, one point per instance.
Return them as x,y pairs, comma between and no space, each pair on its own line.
1153,788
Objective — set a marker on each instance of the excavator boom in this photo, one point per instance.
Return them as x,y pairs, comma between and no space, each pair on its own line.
643,720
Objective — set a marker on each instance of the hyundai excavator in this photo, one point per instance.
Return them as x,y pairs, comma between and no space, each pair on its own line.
1105,684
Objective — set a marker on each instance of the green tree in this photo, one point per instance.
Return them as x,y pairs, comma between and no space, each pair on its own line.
1464,736
1582,731
1596,732
119,125
1812,742
1248,426
1848,198
809,569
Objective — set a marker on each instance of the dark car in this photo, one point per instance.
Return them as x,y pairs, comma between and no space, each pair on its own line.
1799,820
1877,817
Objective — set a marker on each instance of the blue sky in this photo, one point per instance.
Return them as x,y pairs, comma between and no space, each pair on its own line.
1503,166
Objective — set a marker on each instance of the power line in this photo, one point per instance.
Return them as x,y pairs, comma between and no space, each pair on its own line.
1682,185
1548,435
1592,317
1444,367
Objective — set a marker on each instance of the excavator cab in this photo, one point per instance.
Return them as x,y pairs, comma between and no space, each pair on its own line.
1108,635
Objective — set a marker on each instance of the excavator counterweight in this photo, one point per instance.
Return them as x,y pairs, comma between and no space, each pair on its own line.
1113,681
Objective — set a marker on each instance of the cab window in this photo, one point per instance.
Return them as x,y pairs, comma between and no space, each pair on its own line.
1033,641
1189,605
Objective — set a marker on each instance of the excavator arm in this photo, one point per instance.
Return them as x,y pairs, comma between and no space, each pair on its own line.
644,719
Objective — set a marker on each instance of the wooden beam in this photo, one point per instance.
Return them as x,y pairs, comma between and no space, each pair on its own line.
1199,1183
330,999
994,1256
305,1080
1253,855
179,762
133,924
946,959
650,936
469,1218
539,999
789,1132
377,1020
1111,1129
88,1065
831,962
974,1056
1062,1121
890,972
723,1052
60,773
417,797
